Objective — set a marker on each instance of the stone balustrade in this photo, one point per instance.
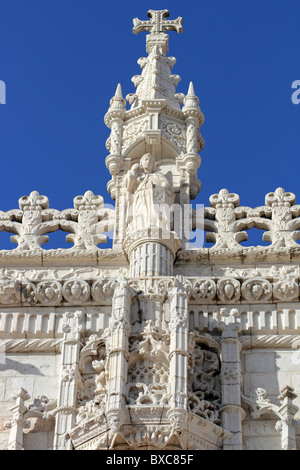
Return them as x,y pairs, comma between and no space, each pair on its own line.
226,223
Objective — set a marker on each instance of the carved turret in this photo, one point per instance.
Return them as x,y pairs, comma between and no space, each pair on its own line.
155,124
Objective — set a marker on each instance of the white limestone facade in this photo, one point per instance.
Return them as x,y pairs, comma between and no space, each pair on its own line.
151,344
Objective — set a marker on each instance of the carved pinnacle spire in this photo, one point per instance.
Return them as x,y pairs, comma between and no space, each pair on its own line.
117,103
118,93
191,91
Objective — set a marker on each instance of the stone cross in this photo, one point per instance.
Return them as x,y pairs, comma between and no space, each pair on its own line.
157,23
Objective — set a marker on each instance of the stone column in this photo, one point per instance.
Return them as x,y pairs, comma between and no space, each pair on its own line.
231,412
17,423
151,259
178,355
151,255
119,194
287,425
67,395
114,119
193,120
118,355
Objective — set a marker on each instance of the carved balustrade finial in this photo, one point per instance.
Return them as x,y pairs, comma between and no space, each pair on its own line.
283,228
225,220
224,198
89,201
280,196
33,202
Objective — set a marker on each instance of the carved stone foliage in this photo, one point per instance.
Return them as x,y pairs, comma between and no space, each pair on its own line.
76,291
202,290
133,131
280,217
103,290
257,290
87,221
286,288
228,289
226,221
17,289
93,367
31,222
175,133
148,368
203,379
10,290
49,292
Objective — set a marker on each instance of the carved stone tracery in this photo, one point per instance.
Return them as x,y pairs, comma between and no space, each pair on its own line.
203,381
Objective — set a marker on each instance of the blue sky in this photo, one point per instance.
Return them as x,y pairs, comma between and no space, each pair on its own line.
62,59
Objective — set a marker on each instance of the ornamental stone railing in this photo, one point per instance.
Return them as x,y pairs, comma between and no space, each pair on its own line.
226,223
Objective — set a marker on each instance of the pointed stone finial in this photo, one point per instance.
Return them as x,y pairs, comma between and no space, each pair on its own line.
117,102
118,93
191,91
191,101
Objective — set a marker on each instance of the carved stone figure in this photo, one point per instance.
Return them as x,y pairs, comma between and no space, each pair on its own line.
150,192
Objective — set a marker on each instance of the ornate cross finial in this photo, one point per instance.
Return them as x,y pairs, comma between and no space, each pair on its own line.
157,23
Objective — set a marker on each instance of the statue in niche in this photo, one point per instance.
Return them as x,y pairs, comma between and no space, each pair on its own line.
150,196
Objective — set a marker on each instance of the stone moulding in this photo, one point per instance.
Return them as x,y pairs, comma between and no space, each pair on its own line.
245,255
148,427
270,341
280,288
32,345
75,257
62,257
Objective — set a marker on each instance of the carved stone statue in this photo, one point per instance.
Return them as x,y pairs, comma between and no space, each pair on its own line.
150,195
